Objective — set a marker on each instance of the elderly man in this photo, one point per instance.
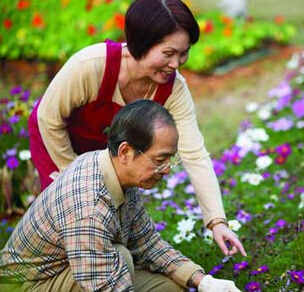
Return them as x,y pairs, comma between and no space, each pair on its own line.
89,230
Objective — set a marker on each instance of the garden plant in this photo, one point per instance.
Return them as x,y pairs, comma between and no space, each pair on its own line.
54,30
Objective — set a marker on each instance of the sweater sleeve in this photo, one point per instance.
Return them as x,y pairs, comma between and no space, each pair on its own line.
195,157
76,84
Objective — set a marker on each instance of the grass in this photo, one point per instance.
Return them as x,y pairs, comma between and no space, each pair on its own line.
221,108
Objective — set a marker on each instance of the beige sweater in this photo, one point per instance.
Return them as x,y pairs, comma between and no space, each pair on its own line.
78,82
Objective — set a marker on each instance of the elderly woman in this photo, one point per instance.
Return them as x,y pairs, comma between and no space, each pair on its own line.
73,115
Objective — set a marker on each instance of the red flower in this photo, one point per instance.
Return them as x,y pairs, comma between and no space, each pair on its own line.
208,27
279,19
108,1
91,29
280,160
37,21
89,5
227,32
227,20
23,4
119,20
7,23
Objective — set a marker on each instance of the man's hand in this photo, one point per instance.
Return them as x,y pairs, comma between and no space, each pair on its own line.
222,234
210,284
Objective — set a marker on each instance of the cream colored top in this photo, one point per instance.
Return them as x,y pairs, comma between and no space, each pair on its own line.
78,82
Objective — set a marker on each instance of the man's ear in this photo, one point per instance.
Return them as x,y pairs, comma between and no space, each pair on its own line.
125,152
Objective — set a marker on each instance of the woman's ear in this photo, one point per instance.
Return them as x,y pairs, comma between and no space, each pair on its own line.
125,152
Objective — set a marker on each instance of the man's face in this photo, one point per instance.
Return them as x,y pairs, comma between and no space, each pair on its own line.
142,167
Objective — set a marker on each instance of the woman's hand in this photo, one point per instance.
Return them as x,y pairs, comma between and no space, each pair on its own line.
222,234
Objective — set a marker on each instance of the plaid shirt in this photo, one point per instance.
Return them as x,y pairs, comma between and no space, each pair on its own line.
75,222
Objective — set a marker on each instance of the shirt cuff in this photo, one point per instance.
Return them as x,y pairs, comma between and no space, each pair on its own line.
184,272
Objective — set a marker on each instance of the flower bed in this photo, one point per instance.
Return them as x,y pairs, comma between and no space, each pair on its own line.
261,178
54,30
262,182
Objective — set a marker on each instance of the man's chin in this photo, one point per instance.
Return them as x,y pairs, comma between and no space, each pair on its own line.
150,184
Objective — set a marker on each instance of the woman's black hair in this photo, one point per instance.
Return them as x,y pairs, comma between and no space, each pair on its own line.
147,22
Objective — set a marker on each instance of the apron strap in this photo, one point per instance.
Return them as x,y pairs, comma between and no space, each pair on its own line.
112,68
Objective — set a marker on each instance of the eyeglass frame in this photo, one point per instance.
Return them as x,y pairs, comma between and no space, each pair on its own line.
162,167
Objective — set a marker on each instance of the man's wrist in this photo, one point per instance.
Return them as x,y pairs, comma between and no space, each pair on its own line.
196,278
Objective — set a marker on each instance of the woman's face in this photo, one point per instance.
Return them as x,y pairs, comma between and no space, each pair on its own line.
164,58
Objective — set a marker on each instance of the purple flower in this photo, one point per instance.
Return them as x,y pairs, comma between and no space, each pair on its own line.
282,124
253,287
14,119
270,237
283,150
9,229
281,90
283,101
219,167
16,90
25,95
11,152
266,175
273,230
262,269
281,223
3,222
160,226
268,206
243,216
240,266
12,162
23,133
215,269
5,128
189,189
297,276
298,108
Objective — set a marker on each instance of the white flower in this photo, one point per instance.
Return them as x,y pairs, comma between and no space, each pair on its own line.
257,134
300,124
178,238
244,141
252,178
185,226
294,62
251,107
263,162
299,79
255,179
234,225
24,155
30,199
301,205
189,236
274,197
164,195
264,113
208,236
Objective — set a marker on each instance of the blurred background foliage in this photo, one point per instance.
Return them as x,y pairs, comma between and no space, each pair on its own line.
53,30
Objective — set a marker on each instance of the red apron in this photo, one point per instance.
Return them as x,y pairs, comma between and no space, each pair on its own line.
86,125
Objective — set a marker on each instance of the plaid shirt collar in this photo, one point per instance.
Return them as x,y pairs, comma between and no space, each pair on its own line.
111,179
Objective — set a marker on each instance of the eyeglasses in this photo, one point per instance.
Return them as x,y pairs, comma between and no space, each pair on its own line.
174,161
